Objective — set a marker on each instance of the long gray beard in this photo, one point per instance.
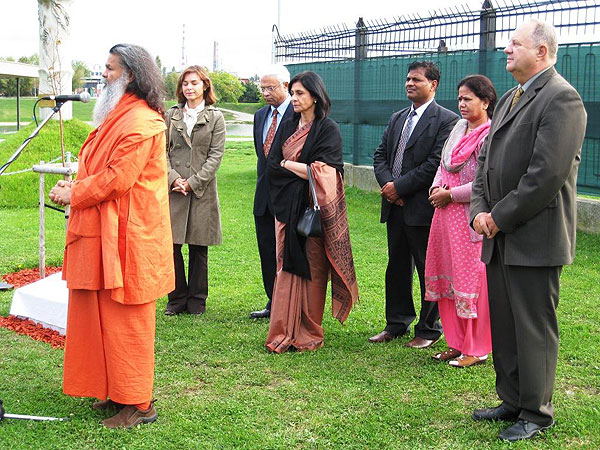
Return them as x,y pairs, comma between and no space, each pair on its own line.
109,97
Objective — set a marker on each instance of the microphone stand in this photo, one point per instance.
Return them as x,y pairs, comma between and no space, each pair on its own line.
15,155
4,415
26,142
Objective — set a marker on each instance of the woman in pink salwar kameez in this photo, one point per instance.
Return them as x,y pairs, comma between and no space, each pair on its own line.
454,273
305,265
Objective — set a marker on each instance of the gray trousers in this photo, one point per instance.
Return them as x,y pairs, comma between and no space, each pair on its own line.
523,302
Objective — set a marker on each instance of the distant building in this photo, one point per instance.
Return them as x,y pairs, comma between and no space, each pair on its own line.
93,84
216,65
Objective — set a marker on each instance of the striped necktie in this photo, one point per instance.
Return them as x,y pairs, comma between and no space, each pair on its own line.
270,134
397,166
516,98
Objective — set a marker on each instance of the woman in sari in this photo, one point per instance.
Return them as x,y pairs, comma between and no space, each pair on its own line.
454,274
304,265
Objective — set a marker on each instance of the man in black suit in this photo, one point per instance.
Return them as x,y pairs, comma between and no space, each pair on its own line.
524,202
274,87
405,164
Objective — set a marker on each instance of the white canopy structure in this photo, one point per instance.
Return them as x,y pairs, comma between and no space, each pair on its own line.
9,69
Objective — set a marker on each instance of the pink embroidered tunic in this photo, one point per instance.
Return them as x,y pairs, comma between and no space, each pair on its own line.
454,273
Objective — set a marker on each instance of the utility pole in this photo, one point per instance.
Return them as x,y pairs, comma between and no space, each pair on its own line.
279,14
215,56
183,59
277,27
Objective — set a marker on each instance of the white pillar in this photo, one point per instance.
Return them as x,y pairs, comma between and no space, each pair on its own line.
56,72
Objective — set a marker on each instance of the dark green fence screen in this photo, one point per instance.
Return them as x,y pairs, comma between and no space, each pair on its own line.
364,68
364,93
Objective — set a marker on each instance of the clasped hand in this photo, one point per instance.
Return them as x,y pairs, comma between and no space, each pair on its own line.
388,191
61,193
484,224
440,197
181,185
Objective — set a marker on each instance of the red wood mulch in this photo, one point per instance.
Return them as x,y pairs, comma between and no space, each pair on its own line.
26,326
26,276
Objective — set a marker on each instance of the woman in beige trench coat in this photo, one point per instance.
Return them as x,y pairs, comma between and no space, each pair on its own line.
195,146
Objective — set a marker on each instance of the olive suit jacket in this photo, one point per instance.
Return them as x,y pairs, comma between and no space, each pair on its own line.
527,173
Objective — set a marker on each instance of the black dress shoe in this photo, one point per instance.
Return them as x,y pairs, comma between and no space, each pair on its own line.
498,413
262,314
523,429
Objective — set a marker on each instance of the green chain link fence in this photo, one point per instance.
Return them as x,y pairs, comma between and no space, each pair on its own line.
364,93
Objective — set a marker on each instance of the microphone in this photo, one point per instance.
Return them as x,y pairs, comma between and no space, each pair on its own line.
84,97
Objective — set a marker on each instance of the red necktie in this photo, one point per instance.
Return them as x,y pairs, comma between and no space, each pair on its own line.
270,134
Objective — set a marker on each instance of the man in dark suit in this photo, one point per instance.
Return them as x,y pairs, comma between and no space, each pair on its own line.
274,87
405,163
524,201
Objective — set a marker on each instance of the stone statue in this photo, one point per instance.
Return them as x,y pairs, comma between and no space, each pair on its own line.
55,71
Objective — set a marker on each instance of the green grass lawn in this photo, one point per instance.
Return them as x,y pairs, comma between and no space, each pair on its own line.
21,190
249,108
8,109
83,111
218,388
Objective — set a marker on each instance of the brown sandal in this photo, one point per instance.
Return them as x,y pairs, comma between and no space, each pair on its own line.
451,353
468,361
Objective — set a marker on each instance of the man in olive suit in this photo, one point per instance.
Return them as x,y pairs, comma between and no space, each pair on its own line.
524,202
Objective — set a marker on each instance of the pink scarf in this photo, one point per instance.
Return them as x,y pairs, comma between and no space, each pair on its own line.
468,144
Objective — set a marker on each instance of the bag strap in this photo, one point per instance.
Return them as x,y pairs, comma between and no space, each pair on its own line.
311,183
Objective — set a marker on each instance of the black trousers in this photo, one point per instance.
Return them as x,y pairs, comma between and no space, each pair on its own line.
265,236
407,246
523,302
190,294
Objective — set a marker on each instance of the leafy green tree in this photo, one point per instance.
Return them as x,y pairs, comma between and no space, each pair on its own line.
251,93
227,86
80,70
171,84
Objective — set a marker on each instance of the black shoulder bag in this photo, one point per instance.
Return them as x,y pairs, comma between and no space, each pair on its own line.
310,221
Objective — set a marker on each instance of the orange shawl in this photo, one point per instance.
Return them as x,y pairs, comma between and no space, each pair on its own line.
119,232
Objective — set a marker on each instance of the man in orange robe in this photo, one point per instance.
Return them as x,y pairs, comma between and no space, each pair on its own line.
118,255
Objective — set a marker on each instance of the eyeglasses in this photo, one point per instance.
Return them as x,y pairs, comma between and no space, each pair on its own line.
269,89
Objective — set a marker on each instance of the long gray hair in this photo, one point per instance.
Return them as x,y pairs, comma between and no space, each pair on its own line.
147,80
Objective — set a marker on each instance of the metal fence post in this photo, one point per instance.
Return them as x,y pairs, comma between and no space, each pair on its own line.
18,103
360,53
487,34
42,241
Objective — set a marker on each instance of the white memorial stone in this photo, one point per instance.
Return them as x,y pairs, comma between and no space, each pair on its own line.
56,73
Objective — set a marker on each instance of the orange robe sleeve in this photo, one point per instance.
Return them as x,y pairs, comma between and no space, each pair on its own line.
122,172
124,209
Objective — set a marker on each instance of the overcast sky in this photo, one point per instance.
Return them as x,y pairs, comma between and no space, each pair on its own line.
242,28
